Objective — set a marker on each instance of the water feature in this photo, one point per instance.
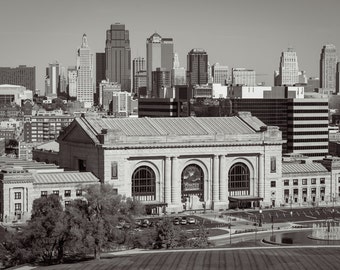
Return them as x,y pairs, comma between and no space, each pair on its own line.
317,233
326,231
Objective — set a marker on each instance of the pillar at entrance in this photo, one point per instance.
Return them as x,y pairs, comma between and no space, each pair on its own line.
215,184
167,181
223,180
175,183
261,176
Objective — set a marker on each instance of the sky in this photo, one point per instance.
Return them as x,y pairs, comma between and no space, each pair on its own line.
237,33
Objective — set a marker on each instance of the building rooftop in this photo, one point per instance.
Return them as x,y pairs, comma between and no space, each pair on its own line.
311,167
174,126
49,146
65,177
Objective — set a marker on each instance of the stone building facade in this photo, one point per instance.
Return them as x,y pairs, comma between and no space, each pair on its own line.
176,164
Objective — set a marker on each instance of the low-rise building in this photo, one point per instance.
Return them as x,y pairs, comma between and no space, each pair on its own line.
21,182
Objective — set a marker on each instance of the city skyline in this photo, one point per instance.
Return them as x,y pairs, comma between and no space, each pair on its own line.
249,34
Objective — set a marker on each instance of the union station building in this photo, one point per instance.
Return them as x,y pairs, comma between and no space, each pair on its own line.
176,164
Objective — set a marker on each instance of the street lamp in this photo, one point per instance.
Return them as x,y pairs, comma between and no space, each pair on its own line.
255,230
291,204
260,223
230,230
272,220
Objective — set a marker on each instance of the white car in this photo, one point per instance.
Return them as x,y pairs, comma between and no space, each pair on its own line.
191,220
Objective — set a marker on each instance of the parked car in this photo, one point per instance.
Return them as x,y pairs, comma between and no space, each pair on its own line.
138,223
176,221
146,223
184,221
191,220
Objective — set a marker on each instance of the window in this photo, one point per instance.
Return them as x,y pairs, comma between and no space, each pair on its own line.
114,170
339,179
313,180
115,191
295,182
238,183
273,164
272,183
17,206
67,193
286,182
304,181
67,203
144,184
43,193
79,192
322,180
82,165
17,195
56,192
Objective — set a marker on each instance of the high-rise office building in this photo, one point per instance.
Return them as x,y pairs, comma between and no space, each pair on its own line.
138,65
72,81
100,73
178,74
52,80
306,133
161,79
106,90
243,76
118,56
159,54
85,74
289,68
63,80
337,79
22,75
197,67
328,60
220,73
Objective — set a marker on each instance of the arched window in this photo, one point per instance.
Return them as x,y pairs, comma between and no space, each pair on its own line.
192,182
239,180
144,184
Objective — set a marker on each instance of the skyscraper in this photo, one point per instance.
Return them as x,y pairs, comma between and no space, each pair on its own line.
328,60
243,76
85,74
118,56
178,74
220,73
72,81
197,67
100,73
159,54
337,79
138,65
289,68
22,75
161,79
52,80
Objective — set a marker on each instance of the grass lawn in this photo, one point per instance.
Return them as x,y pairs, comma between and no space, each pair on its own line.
255,259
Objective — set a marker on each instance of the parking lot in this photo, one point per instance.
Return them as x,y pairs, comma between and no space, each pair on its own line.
186,222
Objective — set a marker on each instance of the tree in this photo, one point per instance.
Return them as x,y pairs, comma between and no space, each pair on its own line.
44,237
94,221
170,236
200,239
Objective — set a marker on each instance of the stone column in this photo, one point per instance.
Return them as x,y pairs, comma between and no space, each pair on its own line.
223,180
167,181
260,180
215,184
175,182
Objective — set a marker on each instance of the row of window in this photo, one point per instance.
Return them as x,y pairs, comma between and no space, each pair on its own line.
67,193
296,182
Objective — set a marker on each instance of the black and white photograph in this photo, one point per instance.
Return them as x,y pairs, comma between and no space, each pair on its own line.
169,135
